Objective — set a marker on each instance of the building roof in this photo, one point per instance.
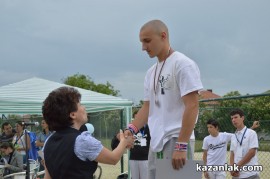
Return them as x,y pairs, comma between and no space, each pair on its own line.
208,94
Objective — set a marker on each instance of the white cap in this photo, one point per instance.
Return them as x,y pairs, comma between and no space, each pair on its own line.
90,128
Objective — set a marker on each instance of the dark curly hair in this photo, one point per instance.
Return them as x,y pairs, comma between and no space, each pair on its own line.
58,105
237,111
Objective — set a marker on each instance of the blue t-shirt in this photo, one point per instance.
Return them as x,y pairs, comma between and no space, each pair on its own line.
87,147
42,137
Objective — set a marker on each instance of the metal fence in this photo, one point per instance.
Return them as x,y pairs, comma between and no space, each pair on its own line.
107,124
255,107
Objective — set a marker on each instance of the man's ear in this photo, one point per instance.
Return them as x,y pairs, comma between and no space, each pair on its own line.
163,35
72,115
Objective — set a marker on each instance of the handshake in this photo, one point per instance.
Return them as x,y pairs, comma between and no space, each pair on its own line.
126,137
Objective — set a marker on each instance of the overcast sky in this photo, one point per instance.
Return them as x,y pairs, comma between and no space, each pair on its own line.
53,39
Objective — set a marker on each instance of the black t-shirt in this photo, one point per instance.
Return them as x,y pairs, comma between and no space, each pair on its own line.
141,147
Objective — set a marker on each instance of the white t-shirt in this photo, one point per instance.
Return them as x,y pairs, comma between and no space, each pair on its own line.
216,148
250,141
20,142
179,76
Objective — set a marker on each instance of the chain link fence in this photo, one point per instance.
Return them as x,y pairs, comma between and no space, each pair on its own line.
108,123
255,108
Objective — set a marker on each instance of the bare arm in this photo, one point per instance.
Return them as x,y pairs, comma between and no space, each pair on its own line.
205,162
205,157
231,158
112,157
251,153
233,173
190,115
140,120
188,123
142,115
255,125
39,143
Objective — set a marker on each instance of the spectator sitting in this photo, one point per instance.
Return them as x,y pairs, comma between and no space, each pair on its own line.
14,161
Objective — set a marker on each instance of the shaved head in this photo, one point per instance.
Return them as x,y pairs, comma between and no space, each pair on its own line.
156,25
155,39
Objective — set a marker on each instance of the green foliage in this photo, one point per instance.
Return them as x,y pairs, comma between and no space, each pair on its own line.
81,81
107,124
259,109
86,82
255,108
106,89
200,128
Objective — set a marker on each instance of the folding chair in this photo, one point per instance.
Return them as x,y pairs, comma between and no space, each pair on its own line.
98,173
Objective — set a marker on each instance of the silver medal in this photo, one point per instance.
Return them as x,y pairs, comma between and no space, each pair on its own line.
157,102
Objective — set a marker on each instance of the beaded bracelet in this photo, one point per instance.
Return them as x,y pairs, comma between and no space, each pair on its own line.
181,146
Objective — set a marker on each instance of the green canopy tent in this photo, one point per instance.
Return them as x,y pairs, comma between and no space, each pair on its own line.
26,97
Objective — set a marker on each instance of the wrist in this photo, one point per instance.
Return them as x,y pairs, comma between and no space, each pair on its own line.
181,146
132,128
131,131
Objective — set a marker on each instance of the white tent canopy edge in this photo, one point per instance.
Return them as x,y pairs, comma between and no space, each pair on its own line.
26,97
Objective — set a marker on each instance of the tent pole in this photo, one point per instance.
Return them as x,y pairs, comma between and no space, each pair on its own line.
121,127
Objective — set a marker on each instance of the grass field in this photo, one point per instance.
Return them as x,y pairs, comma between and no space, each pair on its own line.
112,171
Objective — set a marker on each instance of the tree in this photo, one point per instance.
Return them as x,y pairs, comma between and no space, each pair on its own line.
86,82
106,89
255,108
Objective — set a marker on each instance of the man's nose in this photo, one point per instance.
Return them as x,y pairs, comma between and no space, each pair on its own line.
144,47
